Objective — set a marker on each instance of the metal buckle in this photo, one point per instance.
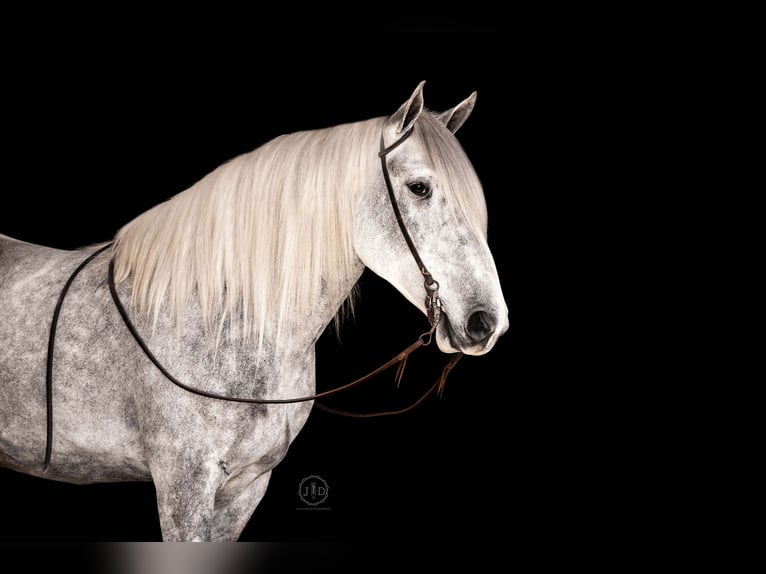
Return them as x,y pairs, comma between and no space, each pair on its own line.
433,302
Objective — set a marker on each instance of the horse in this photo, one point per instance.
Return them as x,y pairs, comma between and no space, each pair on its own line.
225,288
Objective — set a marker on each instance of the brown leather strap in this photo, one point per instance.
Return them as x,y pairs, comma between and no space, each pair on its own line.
399,358
384,151
439,384
433,303
49,362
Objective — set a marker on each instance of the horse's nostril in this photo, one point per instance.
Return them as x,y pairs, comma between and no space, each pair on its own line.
480,326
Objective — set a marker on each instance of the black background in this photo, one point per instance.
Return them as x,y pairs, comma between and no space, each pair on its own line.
533,448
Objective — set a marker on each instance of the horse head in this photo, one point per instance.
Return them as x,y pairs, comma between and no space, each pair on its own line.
422,226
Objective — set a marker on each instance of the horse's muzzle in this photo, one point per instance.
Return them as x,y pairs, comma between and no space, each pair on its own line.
477,337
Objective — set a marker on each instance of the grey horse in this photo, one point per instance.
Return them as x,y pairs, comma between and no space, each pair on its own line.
229,284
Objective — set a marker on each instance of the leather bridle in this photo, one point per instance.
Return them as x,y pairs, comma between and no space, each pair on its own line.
432,303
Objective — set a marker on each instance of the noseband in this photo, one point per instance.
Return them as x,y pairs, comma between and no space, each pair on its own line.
432,303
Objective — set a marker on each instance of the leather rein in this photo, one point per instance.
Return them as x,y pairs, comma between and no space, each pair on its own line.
432,303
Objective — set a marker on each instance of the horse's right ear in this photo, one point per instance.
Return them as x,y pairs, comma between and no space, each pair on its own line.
403,118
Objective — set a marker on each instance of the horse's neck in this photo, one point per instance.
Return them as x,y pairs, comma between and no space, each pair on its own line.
334,293
293,339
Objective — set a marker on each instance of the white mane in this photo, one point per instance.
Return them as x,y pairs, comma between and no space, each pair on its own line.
255,240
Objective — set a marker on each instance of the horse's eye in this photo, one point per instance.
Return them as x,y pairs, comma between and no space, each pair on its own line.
419,188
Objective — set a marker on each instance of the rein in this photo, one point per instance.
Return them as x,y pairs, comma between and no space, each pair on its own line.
432,303
401,358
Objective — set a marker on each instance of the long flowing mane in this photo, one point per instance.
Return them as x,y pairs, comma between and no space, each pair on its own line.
256,240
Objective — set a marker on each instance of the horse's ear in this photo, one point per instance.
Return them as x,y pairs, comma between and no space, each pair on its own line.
403,118
453,118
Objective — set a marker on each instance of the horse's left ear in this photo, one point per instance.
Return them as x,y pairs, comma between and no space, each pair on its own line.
403,118
453,118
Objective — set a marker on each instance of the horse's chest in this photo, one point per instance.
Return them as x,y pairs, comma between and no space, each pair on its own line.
264,442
